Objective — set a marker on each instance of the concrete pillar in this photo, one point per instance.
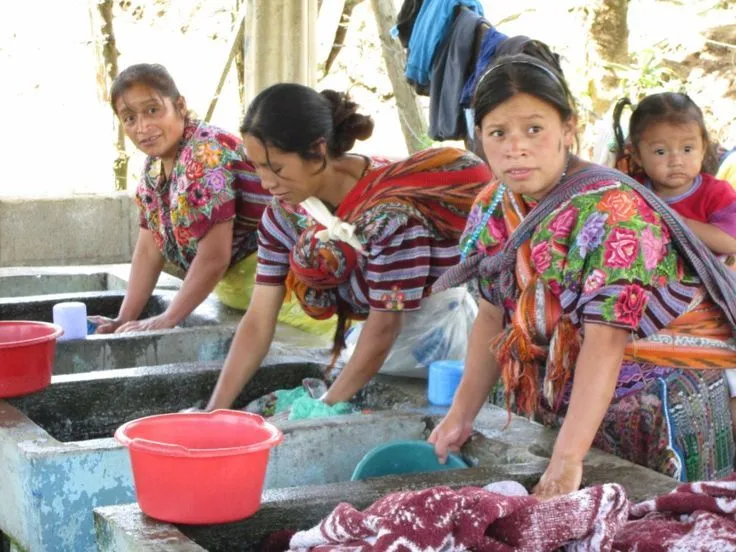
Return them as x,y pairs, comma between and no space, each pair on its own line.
280,44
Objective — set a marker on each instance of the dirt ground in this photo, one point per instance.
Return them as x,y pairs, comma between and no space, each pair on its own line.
59,140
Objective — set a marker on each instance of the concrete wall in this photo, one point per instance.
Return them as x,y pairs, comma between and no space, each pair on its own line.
66,231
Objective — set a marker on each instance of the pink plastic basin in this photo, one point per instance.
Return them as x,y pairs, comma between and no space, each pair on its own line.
199,468
26,356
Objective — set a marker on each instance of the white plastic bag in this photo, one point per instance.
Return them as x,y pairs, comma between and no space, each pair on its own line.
437,331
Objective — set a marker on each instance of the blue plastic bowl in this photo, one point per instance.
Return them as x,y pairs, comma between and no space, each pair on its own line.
401,457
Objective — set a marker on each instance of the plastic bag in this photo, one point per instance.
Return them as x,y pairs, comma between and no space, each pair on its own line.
438,331
236,288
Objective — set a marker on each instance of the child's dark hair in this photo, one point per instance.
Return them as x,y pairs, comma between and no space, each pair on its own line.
667,107
153,75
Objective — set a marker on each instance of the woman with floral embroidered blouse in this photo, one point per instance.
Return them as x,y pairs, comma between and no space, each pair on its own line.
606,315
199,198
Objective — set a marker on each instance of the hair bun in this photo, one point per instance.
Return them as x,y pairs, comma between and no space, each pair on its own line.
348,124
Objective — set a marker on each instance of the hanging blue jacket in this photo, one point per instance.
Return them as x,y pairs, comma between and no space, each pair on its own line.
487,50
430,28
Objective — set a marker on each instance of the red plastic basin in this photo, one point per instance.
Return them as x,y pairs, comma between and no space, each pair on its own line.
26,356
200,467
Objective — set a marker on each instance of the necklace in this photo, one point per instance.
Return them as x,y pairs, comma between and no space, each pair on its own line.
497,197
484,221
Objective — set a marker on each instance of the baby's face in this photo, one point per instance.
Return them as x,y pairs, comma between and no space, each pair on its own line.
672,156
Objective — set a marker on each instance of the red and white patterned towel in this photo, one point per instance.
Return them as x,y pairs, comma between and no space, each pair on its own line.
694,517
472,519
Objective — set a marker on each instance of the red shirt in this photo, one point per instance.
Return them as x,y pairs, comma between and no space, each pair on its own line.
709,200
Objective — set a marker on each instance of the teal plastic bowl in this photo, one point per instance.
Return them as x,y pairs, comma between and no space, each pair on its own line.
400,457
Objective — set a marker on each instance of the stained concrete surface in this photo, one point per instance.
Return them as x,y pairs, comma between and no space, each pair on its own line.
517,452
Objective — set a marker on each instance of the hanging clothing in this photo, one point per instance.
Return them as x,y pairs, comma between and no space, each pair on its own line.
449,69
431,26
405,21
491,41
491,49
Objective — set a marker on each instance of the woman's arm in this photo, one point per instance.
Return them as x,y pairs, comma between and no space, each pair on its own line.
479,376
250,345
374,344
212,260
209,265
596,374
145,269
716,239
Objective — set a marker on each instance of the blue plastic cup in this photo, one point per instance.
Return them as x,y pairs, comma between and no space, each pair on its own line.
444,378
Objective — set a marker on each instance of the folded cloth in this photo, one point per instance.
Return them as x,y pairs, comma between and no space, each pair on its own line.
694,517
472,519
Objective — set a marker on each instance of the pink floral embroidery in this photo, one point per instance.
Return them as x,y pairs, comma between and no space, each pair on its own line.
621,248
630,305
186,156
541,256
497,229
394,300
646,212
594,281
563,223
665,233
652,249
555,287
199,196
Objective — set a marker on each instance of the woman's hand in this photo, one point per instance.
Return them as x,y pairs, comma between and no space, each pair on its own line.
596,373
450,435
562,476
104,325
160,322
480,375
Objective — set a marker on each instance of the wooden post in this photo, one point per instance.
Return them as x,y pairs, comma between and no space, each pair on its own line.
346,11
236,42
413,124
107,70
240,55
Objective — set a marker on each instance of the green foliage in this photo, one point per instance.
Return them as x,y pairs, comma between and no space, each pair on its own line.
647,74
